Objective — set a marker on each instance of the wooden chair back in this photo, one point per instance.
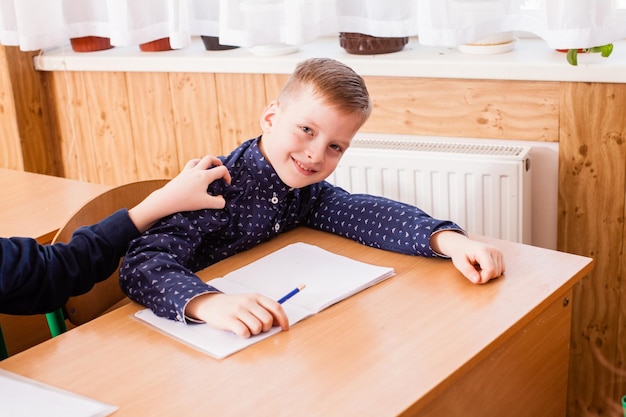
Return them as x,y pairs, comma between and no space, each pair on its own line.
105,295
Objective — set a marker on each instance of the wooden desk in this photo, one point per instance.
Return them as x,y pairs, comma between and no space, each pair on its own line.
425,342
35,205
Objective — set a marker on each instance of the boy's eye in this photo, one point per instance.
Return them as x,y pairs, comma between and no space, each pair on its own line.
307,130
336,148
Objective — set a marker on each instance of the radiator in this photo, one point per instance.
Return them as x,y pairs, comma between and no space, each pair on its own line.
486,189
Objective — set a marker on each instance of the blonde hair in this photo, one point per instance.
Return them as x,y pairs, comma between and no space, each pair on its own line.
336,83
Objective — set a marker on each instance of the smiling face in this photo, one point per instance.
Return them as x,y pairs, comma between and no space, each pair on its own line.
304,137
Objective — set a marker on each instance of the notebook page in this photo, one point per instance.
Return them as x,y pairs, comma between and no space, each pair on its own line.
328,277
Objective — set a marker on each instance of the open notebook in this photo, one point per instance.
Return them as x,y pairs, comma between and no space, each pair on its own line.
328,277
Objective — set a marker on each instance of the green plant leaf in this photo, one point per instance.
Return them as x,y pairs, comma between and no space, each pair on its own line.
572,56
605,50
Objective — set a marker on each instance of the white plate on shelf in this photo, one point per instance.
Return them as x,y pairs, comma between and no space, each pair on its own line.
487,49
273,50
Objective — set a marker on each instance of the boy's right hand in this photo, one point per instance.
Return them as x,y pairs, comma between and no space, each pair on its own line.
188,190
242,314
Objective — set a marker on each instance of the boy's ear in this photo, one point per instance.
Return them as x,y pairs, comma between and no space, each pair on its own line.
267,117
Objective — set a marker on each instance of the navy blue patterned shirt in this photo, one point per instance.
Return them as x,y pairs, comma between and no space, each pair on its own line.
158,270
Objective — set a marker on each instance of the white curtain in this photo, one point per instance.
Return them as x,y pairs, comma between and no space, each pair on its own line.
41,24
263,22
386,18
563,24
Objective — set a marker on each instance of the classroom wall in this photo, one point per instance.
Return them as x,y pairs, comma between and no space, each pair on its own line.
28,128
10,148
178,116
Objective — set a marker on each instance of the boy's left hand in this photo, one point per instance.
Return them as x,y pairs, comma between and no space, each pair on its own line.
477,261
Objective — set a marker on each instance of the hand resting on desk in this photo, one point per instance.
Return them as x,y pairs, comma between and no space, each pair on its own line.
477,261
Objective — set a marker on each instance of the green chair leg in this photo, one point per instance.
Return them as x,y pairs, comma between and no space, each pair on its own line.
3,347
56,322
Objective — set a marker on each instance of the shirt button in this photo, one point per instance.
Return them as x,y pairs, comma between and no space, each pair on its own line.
276,227
274,200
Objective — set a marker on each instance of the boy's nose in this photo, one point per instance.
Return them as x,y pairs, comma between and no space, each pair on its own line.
315,152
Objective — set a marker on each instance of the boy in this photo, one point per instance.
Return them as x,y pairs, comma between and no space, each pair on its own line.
277,185
37,279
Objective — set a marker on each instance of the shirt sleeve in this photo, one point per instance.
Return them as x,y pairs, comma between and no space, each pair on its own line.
36,279
154,272
377,221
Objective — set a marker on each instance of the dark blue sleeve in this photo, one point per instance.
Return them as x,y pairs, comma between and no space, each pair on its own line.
376,221
156,270
36,279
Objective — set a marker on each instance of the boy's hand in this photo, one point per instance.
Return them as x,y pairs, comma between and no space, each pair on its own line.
242,314
188,188
477,261
186,192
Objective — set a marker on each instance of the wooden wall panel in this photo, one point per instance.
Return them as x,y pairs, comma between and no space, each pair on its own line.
152,125
273,84
35,116
74,123
464,108
94,121
196,117
592,178
111,123
10,147
618,368
241,99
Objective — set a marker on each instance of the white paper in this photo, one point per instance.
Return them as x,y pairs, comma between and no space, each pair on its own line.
23,397
328,277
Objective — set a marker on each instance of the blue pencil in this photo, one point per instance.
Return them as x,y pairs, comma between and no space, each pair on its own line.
291,293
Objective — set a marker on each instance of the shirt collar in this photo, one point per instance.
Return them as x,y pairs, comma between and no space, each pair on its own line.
270,184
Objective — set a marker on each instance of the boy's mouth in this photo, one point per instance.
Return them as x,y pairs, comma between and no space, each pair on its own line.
305,170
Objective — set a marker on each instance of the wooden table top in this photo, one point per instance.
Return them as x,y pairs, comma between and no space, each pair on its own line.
36,205
389,349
